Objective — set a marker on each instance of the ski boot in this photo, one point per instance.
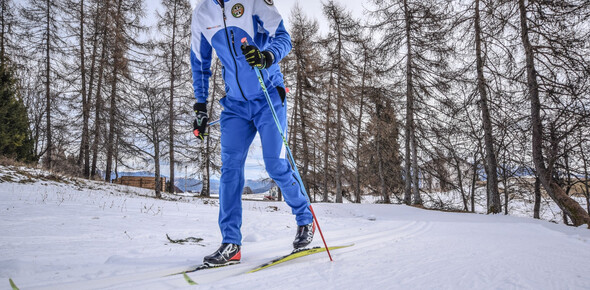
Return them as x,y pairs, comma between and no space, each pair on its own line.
304,236
227,254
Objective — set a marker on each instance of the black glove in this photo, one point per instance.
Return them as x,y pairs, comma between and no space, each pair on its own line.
257,58
200,123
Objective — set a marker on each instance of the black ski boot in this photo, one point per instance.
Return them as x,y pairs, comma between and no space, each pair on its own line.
227,254
304,236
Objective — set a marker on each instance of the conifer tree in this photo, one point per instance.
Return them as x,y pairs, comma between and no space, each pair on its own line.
15,135
304,81
125,25
343,28
415,37
174,36
42,27
556,72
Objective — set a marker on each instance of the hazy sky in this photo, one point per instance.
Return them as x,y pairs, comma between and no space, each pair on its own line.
313,8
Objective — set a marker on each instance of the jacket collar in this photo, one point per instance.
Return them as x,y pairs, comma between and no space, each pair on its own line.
216,1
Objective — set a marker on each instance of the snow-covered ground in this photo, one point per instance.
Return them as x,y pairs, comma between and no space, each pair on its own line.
73,234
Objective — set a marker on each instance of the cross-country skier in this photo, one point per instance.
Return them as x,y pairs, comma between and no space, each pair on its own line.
221,24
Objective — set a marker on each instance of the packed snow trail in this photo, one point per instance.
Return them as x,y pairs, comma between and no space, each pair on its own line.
98,236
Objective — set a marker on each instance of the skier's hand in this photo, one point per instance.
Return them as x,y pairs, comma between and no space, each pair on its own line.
200,123
257,58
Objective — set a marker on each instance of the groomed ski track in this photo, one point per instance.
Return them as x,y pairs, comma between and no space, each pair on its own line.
67,236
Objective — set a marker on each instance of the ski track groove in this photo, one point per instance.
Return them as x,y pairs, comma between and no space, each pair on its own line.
376,237
403,232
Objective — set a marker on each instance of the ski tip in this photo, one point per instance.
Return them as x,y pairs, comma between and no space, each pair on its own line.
12,284
188,279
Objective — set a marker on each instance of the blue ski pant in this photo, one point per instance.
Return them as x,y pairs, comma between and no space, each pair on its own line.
240,120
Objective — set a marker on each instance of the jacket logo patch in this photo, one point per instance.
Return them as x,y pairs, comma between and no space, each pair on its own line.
269,2
238,10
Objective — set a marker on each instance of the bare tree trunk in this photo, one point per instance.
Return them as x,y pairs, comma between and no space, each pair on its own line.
300,120
474,180
172,79
494,206
417,200
506,190
586,176
49,159
116,156
327,141
156,139
357,187
98,105
409,110
339,108
112,121
304,141
460,181
382,184
294,128
118,54
573,209
85,102
537,208
315,170
94,146
98,109
85,147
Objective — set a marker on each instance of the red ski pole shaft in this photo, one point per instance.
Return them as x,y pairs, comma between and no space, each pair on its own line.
321,234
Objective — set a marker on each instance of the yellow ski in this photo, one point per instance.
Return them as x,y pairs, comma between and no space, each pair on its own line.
188,279
294,255
12,285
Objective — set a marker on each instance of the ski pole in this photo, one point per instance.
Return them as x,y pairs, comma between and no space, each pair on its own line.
291,159
213,123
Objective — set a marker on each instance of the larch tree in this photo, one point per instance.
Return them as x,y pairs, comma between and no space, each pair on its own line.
491,164
304,80
414,36
342,30
42,34
174,36
125,25
553,37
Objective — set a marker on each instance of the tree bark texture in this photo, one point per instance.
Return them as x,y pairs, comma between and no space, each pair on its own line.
171,101
49,151
494,206
573,209
117,60
409,126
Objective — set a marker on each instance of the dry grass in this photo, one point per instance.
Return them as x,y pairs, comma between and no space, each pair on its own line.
7,161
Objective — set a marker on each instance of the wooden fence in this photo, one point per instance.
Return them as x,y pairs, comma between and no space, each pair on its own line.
148,182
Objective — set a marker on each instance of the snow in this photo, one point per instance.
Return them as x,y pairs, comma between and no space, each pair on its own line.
74,234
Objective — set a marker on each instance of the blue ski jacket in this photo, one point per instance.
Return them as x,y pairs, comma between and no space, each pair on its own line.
222,27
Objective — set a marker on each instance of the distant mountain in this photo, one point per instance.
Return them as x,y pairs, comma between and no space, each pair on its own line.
195,185
136,173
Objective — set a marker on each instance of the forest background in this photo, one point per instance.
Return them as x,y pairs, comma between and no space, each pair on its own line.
485,100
